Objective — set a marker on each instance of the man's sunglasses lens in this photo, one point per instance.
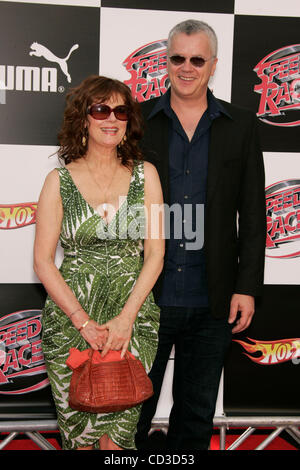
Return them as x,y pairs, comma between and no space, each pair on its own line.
195,61
103,111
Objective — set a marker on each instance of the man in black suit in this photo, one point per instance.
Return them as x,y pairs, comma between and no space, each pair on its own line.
208,157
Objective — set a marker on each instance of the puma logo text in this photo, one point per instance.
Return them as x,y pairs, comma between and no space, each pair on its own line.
39,50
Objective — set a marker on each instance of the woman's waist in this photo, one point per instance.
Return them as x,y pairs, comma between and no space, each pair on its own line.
80,258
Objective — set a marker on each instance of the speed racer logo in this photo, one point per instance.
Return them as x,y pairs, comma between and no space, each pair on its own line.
22,365
148,69
272,352
283,219
279,73
17,215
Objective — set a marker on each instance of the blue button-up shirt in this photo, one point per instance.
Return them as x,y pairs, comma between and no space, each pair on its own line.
184,282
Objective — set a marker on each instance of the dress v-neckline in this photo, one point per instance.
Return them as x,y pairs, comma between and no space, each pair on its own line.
95,210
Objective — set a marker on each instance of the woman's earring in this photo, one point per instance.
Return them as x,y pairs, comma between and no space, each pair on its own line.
85,134
123,141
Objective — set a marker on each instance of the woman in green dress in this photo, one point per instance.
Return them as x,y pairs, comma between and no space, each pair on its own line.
99,205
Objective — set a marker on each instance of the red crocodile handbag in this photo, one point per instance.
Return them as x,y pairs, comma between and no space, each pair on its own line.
109,384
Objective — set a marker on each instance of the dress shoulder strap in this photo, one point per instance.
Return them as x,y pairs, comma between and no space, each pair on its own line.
138,179
66,186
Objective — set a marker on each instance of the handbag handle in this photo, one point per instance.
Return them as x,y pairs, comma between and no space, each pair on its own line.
127,354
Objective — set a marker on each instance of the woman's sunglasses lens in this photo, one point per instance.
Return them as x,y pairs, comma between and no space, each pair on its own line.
102,111
121,113
99,112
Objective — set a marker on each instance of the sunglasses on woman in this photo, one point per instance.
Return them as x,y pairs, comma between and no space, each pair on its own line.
103,111
195,61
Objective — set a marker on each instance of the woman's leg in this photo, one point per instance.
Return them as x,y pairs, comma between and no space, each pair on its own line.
107,444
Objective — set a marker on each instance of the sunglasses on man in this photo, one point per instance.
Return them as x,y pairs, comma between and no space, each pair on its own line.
195,61
103,111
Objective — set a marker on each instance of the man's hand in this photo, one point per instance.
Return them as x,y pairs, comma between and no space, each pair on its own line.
245,305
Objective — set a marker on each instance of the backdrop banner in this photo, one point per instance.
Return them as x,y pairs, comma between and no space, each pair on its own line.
45,49
261,374
24,385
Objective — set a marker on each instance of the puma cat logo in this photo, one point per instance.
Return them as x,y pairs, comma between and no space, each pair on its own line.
39,50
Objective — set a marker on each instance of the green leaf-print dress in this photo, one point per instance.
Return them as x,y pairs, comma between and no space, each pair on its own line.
101,264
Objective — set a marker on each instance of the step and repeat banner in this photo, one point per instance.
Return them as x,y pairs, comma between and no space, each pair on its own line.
46,47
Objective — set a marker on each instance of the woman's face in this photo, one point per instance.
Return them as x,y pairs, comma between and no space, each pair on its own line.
108,132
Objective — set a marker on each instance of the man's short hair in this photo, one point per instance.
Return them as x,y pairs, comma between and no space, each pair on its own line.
192,27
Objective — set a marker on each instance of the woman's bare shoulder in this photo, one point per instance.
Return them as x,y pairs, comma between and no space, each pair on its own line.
51,186
149,170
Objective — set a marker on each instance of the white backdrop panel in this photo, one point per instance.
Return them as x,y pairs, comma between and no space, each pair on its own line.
139,31
25,170
267,7
280,167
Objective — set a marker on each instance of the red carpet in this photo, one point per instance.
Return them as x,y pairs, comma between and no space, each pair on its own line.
22,442
282,442
252,442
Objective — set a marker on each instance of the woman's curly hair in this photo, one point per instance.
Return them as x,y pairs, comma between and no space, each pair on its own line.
98,89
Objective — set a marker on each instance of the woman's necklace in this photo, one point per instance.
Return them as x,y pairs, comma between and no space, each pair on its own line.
104,204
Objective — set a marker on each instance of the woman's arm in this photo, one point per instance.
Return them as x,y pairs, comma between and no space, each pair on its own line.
48,227
120,327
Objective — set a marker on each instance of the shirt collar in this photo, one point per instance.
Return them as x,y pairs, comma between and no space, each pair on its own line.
214,107
163,104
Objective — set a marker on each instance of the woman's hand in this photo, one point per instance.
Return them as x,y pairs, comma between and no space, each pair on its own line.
119,334
95,335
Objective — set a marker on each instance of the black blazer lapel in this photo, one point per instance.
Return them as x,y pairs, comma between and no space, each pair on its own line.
157,139
217,146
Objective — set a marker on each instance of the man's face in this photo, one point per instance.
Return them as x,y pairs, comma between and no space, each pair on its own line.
187,80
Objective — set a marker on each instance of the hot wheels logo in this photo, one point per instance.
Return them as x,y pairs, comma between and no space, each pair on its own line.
279,72
148,68
272,352
17,215
22,365
283,219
